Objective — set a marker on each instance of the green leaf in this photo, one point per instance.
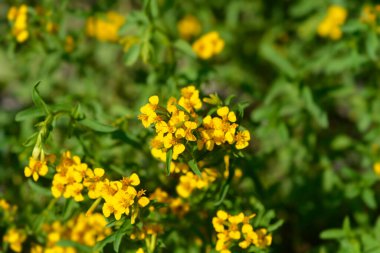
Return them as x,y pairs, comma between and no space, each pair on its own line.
169,157
334,233
372,43
275,226
29,113
154,10
194,167
269,53
241,107
96,126
368,196
319,116
31,140
39,189
223,195
229,99
185,47
132,55
118,236
68,243
182,109
38,101
145,50
101,244
70,207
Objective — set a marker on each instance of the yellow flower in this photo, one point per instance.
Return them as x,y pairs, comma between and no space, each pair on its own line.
19,21
93,182
264,239
148,115
376,168
105,27
188,27
140,250
69,44
219,220
208,45
368,15
15,238
330,26
133,179
242,139
67,181
35,169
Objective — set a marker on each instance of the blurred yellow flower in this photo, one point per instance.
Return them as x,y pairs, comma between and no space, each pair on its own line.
330,25
18,17
376,168
208,45
188,27
105,27
15,238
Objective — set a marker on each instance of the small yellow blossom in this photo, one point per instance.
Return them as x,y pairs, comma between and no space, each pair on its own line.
36,168
188,27
376,168
19,22
105,27
236,228
15,238
69,44
330,26
208,45
242,139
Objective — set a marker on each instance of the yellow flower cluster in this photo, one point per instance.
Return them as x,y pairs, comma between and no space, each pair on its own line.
106,27
67,181
330,26
4,205
232,228
120,197
83,229
208,45
72,176
189,182
15,238
370,14
176,205
222,129
188,27
376,168
178,124
19,21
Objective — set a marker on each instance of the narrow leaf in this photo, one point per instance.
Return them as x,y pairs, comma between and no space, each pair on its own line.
38,101
169,157
194,167
96,126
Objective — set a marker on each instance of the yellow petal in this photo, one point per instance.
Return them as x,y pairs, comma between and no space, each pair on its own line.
135,180
27,172
143,201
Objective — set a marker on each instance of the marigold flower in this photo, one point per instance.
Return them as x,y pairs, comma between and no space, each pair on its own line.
208,45
242,139
188,27
330,26
376,168
36,168
15,238
232,228
105,27
19,21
